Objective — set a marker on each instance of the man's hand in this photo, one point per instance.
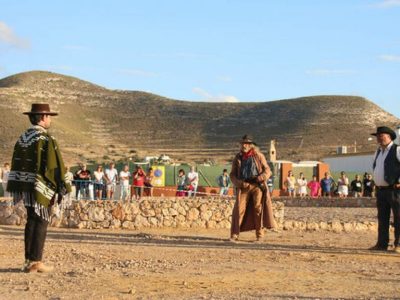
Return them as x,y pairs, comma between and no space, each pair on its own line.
260,178
396,186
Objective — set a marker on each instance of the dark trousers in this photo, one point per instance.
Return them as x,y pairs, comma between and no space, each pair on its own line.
35,235
387,201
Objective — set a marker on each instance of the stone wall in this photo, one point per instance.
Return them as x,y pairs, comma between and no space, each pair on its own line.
328,202
213,212
330,214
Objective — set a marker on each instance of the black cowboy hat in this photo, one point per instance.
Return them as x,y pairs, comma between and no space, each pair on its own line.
384,129
247,139
40,109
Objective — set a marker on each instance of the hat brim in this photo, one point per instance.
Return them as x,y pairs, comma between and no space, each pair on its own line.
392,135
50,113
247,142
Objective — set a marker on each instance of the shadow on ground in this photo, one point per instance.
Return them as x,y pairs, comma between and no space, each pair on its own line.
185,241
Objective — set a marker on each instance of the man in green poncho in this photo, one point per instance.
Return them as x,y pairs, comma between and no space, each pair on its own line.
37,178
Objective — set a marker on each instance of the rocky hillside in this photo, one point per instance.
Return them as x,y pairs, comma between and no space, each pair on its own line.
97,124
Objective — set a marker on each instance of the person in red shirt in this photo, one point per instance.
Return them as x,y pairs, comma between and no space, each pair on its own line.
315,187
139,177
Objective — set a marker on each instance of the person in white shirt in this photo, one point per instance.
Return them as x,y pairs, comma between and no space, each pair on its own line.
111,176
67,201
99,179
193,181
302,185
386,168
343,185
4,178
124,177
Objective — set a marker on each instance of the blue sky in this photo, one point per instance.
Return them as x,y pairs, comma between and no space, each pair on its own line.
212,50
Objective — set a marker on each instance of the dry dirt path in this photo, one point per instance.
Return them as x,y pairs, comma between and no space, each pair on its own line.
200,264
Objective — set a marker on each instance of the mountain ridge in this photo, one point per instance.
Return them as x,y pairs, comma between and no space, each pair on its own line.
99,124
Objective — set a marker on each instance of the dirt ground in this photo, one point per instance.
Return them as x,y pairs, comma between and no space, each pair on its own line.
200,264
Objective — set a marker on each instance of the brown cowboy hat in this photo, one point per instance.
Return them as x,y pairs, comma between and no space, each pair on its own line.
247,139
387,130
40,109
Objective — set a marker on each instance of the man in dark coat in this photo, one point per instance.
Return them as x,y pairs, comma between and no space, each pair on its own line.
386,168
37,178
253,206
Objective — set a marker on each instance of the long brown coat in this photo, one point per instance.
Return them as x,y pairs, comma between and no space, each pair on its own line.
267,215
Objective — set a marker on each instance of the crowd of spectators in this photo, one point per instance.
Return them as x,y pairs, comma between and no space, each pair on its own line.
105,184
328,187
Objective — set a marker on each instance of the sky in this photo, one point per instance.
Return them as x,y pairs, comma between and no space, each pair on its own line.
212,50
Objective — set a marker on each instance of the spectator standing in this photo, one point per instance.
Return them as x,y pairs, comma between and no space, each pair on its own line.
111,176
68,178
291,184
369,186
327,184
224,182
315,187
148,182
139,177
181,182
4,178
82,177
356,187
124,177
302,185
343,185
270,184
99,179
193,181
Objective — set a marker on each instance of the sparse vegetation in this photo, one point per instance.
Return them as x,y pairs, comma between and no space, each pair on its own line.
94,121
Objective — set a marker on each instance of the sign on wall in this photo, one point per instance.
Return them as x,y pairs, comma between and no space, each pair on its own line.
159,175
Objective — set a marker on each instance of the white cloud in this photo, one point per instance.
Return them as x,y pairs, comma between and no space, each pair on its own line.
387,4
207,97
393,58
8,37
329,72
137,73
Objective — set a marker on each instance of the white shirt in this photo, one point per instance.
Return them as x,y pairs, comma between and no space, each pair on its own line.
5,174
69,177
98,176
379,171
193,176
112,175
124,176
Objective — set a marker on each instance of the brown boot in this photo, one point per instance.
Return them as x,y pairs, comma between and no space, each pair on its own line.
38,266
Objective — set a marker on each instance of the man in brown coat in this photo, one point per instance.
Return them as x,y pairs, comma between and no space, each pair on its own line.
253,206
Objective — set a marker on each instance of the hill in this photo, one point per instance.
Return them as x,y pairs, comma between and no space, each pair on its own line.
98,124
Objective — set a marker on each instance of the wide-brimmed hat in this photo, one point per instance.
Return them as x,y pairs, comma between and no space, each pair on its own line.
40,109
384,129
247,139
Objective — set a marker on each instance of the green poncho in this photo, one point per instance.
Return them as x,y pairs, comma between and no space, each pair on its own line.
37,167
